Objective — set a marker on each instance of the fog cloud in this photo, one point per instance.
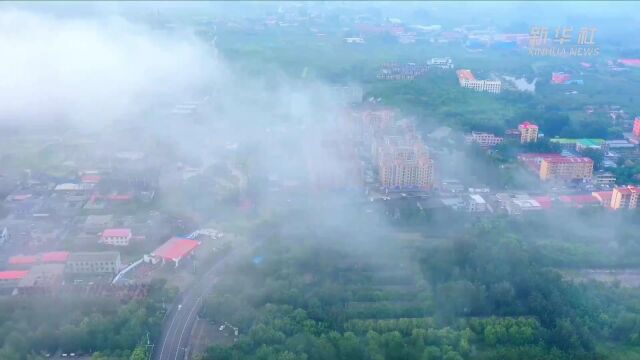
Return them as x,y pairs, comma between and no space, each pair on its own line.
92,72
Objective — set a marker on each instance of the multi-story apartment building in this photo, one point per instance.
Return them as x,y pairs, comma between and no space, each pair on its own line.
484,139
404,163
468,80
566,168
105,262
528,132
625,197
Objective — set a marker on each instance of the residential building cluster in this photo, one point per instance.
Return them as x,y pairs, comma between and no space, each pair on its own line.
396,150
404,163
466,79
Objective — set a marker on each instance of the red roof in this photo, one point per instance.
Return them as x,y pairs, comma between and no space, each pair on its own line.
12,275
527,125
23,260
464,74
91,179
55,257
544,201
560,77
176,248
605,196
579,200
116,233
630,62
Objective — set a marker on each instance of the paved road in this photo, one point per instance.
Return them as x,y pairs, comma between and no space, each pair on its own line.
176,332
179,321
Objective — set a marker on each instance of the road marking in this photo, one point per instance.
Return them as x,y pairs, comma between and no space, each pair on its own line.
195,306
167,335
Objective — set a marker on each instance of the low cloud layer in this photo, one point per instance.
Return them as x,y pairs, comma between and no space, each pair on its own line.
93,72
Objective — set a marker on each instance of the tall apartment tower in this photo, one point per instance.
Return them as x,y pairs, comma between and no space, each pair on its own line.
404,163
626,197
528,132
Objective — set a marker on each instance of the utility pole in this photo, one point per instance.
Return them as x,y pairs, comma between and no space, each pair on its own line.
149,352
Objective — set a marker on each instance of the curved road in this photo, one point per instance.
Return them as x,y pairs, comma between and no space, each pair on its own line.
179,321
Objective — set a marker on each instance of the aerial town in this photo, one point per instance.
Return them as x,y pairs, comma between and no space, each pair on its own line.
307,180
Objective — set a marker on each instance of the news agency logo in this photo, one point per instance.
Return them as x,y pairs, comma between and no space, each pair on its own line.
561,45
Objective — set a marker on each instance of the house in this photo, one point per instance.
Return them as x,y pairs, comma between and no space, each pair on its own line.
116,237
560,78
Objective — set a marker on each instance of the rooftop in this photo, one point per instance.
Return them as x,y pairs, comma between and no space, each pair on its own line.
477,199
94,256
12,275
579,200
464,74
23,260
91,179
55,257
590,142
43,275
603,196
528,124
629,189
544,201
98,219
568,160
175,248
116,233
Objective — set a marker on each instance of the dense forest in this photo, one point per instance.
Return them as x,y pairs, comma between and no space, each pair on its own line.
484,294
31,327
